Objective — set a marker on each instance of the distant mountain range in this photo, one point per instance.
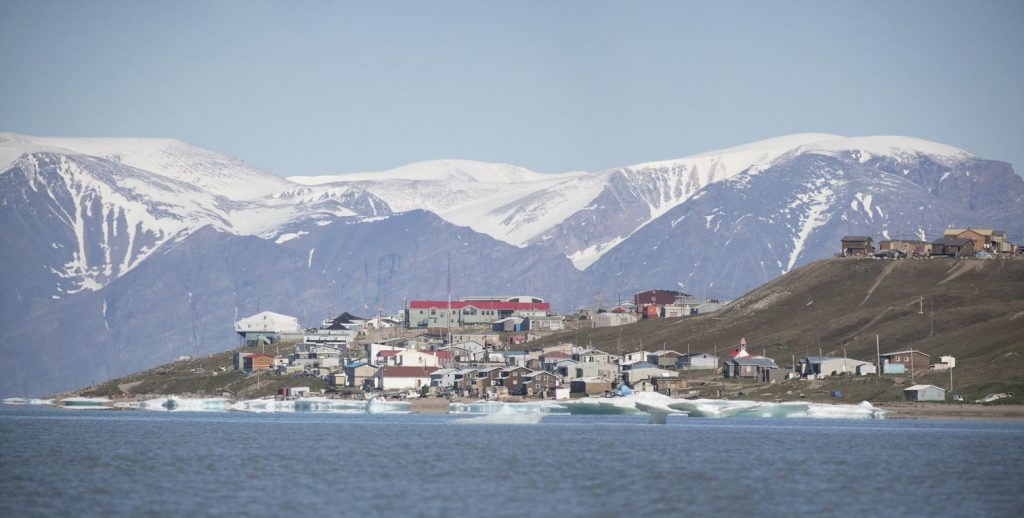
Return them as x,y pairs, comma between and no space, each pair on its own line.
119,254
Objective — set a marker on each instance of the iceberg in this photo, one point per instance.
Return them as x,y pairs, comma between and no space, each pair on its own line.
621,405
719,408
492,407
504,416
26,401
320,405
376,405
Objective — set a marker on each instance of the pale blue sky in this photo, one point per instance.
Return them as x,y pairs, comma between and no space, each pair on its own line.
323,87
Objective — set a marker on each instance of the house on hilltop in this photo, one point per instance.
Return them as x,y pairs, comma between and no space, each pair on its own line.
955,247
857,246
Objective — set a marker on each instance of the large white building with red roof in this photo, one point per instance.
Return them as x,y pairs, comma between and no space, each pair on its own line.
472,311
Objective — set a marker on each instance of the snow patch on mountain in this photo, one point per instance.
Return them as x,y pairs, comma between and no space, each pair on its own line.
210,171
815,205
864,148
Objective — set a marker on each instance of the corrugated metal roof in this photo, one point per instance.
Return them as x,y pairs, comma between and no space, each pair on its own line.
758,361
924,387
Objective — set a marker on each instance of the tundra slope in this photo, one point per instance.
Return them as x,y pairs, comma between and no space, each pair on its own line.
840,305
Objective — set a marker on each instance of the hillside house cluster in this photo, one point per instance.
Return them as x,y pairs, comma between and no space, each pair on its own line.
956,243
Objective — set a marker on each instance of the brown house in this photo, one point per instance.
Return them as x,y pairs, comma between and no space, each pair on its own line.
590,386
985,240
465,381
655,298
953,247
917,248
670,386
664,359
857,245
486,378
512,377
257,362
912,360
539,384
758,368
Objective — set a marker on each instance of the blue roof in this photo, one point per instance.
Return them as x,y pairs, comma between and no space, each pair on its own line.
357,364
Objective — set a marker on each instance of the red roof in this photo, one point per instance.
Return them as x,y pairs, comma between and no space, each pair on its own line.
408,372
385,354
506,306
441,355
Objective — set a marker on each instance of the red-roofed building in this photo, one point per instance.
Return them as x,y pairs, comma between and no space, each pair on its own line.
741,351
396,378
257,362
434,313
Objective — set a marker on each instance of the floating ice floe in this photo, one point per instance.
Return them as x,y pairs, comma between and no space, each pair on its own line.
492,407
506,415
321,405
376,405
622,405
26,401
718,408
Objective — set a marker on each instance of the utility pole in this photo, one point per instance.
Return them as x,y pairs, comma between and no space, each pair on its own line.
878,357
931,304
912,366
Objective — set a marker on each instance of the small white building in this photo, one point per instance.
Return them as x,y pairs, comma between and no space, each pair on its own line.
634,376
613,319
633,357
945,363
543,323
562,392
398,378
698,361
924,393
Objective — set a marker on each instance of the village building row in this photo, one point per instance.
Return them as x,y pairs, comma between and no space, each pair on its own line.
472,311
475,366
956,243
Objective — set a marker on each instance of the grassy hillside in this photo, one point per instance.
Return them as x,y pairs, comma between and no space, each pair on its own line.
973,310
207,376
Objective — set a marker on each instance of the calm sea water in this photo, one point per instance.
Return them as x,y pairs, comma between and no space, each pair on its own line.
129,463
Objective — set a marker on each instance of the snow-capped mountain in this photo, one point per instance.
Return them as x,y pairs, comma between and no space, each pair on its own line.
212,172
735,235
137,245
76,219
478,195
